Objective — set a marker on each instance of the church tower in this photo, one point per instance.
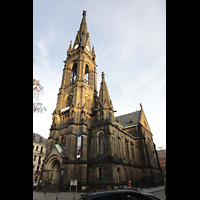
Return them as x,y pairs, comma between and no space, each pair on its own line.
86,143
72,118
79,81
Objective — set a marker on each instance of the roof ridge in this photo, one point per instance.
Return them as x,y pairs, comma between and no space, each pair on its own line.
38,135
128,113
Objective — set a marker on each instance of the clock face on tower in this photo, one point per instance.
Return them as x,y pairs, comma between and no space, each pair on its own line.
76,46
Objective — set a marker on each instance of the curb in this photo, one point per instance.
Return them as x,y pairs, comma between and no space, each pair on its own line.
157,190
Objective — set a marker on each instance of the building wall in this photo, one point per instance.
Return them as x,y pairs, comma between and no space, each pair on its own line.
121,157
162,158
39,150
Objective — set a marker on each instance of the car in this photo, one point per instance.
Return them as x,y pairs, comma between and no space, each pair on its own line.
131,188
151,196
117,195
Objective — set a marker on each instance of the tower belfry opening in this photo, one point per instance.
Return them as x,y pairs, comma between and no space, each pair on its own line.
74,73
87,74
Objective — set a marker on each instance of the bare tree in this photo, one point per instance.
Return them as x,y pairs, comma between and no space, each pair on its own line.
37,91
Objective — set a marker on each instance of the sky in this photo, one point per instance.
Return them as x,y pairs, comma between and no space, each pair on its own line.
129,39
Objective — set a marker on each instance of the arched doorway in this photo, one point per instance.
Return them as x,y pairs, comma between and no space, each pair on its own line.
118,175
54,171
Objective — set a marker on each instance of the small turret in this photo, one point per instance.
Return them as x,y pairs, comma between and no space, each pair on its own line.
93,52
104,107
70,48
104,96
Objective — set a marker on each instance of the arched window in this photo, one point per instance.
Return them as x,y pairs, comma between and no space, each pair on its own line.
87,74
122,145
74,73
101,115
100,143
118,175
60,140
113,143
69,100
100,172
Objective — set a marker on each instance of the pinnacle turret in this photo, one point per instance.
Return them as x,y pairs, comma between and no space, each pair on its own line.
104,96
70,47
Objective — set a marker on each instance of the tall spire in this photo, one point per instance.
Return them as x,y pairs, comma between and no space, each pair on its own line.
104,96
82,36
83,26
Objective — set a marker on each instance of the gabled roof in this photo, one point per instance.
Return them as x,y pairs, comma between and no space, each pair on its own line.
35,135
128,119
131,119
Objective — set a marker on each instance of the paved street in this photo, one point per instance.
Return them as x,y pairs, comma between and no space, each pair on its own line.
157,191
60,196
160,193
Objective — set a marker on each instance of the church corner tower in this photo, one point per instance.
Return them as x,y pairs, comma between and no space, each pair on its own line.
86,142
72,118
79,82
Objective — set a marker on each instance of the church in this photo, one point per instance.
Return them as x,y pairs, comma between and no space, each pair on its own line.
86,142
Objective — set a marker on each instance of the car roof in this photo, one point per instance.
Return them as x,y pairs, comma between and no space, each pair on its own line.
106,192
149,194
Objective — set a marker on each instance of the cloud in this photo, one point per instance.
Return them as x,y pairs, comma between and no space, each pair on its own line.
129,40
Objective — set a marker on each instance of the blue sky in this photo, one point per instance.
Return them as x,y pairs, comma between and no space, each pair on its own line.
129,38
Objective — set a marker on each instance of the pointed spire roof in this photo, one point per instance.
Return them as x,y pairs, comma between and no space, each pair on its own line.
83,26
104,96
82,36
143,119
70,47
93,52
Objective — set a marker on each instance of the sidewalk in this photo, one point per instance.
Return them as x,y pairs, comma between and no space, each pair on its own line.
57,196
77,195
153,189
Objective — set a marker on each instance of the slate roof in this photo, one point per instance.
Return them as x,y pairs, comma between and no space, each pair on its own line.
128,119
39,136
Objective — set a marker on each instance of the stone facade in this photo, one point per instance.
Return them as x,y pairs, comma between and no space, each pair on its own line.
39,150
86,141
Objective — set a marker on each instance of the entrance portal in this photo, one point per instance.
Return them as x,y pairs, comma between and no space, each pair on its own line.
55,171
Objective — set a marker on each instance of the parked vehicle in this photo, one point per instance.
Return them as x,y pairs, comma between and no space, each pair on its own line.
118,195
151,196
131,188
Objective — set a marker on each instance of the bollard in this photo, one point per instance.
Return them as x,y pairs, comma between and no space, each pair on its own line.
56,197
73,196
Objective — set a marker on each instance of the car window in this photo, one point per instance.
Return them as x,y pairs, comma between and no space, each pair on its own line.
134,196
